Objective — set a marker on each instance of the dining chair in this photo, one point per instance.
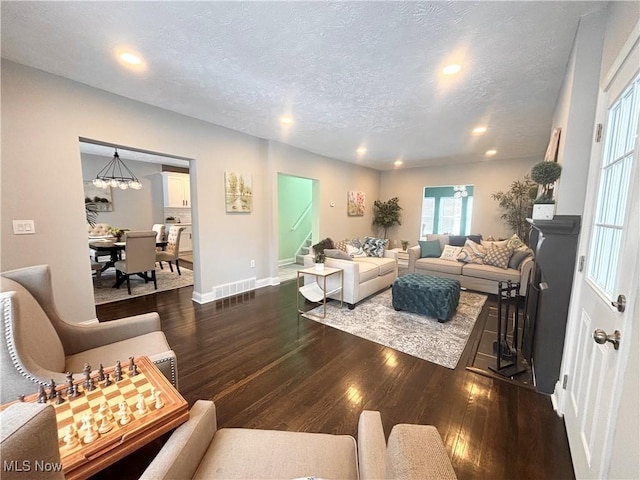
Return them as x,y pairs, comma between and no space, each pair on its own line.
172,251
160,230
140,258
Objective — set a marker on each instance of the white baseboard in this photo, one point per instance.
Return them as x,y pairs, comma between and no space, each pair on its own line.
286,261
233,288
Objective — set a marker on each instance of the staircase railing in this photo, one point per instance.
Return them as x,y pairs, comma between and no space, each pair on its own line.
302,216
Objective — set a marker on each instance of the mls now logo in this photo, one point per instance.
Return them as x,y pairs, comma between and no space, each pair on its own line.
30,466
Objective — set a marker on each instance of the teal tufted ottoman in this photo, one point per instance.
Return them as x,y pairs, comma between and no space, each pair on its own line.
427,295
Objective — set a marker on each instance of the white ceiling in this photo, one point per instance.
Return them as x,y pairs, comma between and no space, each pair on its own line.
349,73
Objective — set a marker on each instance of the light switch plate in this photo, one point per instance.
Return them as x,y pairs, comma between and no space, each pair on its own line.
24,227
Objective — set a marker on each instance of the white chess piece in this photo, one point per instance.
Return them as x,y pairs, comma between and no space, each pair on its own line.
105,411
159,403
105,425
88,427
123,413
70,437
141,406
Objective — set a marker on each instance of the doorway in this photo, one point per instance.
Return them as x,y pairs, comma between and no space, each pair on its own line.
146,208
296,220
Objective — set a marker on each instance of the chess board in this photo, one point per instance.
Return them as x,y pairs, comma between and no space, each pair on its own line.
85,459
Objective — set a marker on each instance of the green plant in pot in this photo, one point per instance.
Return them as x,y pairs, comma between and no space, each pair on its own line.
545,174
516,205
405,245
386,214
117,232
319,258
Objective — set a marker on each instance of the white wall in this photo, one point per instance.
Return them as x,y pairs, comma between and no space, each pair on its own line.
42,180
574,114
487,177
132,209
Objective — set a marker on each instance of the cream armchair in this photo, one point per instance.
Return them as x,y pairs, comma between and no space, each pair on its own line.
197,449
39,346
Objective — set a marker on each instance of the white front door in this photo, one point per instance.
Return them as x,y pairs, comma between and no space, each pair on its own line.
595,371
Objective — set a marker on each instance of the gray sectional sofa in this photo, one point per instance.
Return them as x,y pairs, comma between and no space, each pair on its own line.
474,276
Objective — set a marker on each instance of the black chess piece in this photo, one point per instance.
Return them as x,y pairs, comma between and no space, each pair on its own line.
74,392
42,395
131,364
107,380
59,398
101,373
69,382
118,371
21,398
134,372
52,390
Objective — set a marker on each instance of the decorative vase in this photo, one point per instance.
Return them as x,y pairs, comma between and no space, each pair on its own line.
319,267
543,211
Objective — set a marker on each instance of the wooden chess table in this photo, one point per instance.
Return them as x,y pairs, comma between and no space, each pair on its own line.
86,459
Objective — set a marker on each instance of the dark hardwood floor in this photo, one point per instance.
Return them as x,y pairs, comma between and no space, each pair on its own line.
265,367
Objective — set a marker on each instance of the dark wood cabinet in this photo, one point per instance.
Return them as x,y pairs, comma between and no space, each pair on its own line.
555,243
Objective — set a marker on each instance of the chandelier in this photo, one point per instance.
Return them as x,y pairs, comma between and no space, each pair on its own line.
116,174
460,191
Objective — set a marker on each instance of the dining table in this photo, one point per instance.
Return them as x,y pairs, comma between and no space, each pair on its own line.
114,250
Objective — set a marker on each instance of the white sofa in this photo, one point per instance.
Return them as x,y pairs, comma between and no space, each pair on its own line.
482,278
363,276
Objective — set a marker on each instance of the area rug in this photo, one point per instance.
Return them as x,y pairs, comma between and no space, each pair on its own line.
376,320
165,278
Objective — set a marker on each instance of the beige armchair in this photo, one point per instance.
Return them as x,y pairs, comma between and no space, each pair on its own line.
30,435
197,449
39,346
140,258
171,253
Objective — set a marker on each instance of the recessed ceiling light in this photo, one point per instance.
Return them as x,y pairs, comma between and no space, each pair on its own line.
490,153
397,163
451,69
130,58
479,130
361,150
286,120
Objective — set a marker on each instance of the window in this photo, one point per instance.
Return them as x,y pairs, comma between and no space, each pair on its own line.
447,210
615,178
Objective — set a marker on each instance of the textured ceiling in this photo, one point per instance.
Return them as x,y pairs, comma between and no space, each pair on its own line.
349,73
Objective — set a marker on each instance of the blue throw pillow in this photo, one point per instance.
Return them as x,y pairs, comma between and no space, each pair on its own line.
430,249
459,240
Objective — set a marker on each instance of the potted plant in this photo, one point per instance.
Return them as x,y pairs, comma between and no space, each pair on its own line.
117,232
319,261
516,204
386,214
405,245
545,174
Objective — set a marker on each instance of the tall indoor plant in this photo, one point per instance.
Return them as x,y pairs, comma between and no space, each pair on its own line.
386,214
516,205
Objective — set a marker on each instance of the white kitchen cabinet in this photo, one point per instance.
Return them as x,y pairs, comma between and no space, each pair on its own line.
186,240
176,190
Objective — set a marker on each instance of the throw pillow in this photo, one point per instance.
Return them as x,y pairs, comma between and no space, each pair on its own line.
443,239
336,253
430,248
518,257
342,245
354,252
472,252
322,245
487,243
498,256
451,253
459,240
515,242
374,247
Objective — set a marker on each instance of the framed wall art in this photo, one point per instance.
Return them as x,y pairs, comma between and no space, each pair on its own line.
238,192
100,196
355,204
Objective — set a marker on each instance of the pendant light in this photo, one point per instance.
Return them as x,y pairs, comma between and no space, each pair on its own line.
116,174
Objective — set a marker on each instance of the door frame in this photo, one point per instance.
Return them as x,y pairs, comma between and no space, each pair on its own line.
561,396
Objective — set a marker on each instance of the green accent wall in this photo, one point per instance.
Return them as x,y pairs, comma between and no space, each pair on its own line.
294,196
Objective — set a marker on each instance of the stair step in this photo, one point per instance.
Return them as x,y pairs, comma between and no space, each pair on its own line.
304,251
300,259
